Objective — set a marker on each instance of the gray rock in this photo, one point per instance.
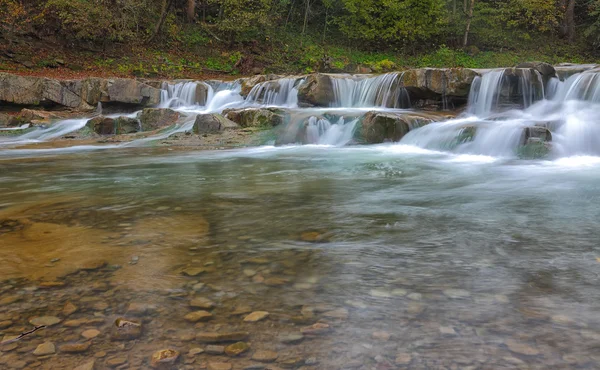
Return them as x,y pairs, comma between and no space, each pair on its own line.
212,123
155,118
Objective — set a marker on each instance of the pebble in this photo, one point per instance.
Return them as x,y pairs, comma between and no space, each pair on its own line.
403,359
381,335
46,348
45,321
456,293
291,362
75,347
219,366
256,316
75,323
125,329
265,356
193,271
380,293
214,337
214,349
5,324
116,361
197,316
291,338
203,303
521,348
164,358
241,310
89,365
198,286
316,329
399,292
51,284
415,296
447,330
9,347
249,272
340,313
69,309
90,333
92,265
100,354
139,309
196,351
237,349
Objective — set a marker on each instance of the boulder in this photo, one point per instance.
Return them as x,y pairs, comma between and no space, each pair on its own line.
256,117
427,83
249,82
378,127
155,118
20,89
94,91
317,91
65,93
129,91
113,126
545,69
212,123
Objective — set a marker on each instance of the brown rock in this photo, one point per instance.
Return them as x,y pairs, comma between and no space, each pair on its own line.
69,309
316,329
125,329
219,366
214,337
265,356
381,335
237,349
198,316
521,348
90,333
256,316
116,361
164,359
75,347
203,303
214,349
88,365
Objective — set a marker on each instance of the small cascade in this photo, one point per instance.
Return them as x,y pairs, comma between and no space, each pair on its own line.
182,94
323,132
584,86
485,93
282,92
379,91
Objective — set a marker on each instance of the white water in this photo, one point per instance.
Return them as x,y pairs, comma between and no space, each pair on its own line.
377,91
323,132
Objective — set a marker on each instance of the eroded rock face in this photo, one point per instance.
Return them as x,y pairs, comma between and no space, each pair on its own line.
250,82
317,91
545,69
76,94
256,117
155,118
378,127
427,83
212,123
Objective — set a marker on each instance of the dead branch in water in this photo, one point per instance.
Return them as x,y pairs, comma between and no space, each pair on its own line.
23,335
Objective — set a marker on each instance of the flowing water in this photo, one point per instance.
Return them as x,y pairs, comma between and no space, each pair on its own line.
430,253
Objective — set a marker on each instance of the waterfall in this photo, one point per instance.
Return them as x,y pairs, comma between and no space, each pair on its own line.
282,92
322,131
183,94
485,93
378,91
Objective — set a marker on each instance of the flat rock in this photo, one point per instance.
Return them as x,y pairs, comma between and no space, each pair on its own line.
291,362
241,310
164,359
219,366
256,316
340,314
69,309
403,359
215,337
193,271
381,335
196,351
265,356
197,316
237,349
456,293
75,323
203,303
214,349
44,321
75,347
116,361
10,299
46,348
92,265
90,333
139,309
291,338
89,365
521,348
316,329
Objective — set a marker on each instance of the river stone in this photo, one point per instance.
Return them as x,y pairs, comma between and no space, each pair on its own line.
316,329
219,366
456,293
339,313
125,329
89,365
45,321
75,347
139,309
196,351
155,118
193,271
92,265
521,348
10,299
69,309
316,91
293,338
75,323
256,117
116,361
164,359
378,127
90,333
129,91
214,337
291,362
46,348
403,359
212,123
256,316
237,349
265,356
381,335
214,349
198,316
5,324
203,303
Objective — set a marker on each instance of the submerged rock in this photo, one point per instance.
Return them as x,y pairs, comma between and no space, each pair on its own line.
212,123
155,118
164,359
113,126
125,329
214,337
46,348
237,349
378,127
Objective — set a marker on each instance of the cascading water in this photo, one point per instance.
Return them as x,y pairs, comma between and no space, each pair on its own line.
378,91
182,94
323,132
282,92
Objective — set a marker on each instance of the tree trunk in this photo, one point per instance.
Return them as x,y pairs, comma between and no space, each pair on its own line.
190,10
570,21
305,19
165,11
469,19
